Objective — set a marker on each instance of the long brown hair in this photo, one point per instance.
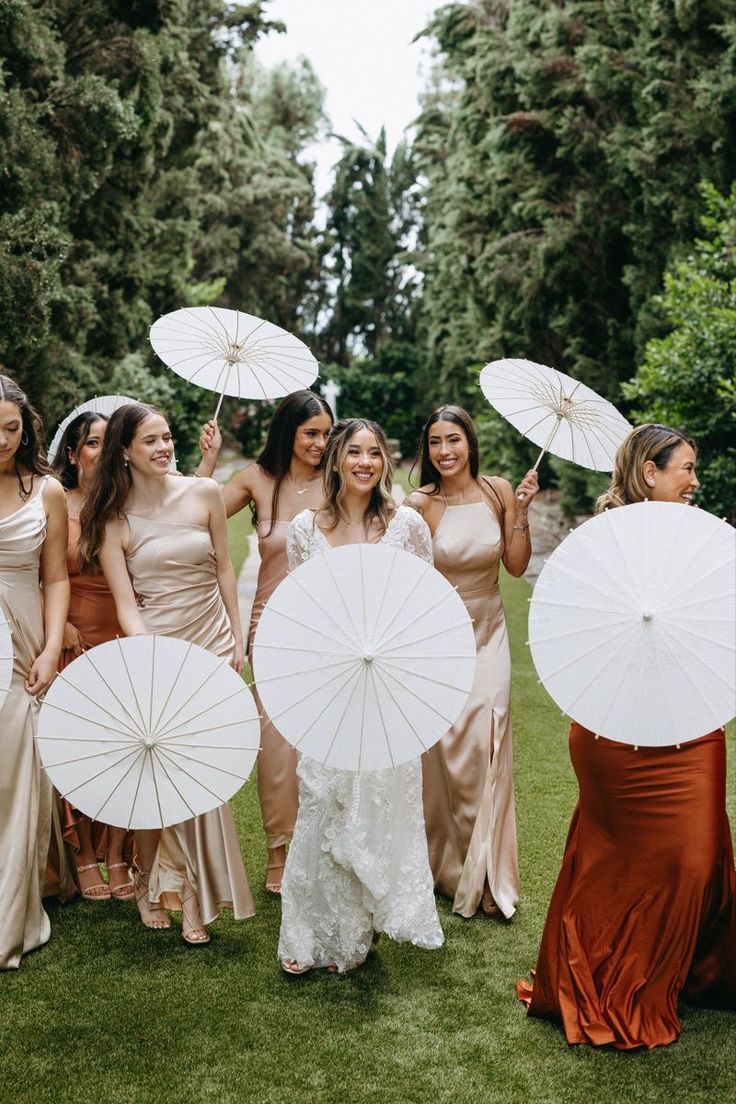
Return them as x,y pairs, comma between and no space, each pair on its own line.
381,506
650,441
428,473
29,454
110,483
74,438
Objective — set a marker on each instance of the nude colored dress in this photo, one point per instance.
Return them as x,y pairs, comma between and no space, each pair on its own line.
278,786
173,571
644,909
468,776
92,613
25,792
358,860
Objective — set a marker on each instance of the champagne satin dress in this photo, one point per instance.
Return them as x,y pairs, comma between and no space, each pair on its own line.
644,909
278,786
468,776
25,791
173,571
92,613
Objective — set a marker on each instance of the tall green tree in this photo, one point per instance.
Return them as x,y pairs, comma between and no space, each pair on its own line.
688,378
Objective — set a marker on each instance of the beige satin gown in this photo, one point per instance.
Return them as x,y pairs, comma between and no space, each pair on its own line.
278,786
25,791
173,571
468,776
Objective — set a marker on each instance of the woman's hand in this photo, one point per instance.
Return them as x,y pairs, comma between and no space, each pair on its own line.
210,439
527,489
238,661
41,674
73,641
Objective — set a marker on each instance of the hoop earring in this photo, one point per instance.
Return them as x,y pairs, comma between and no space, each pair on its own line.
24,434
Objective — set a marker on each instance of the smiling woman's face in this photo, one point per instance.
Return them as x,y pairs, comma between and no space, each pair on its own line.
677,482
152,448
362,465
448,448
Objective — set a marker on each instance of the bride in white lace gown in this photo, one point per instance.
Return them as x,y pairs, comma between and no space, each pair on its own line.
358,862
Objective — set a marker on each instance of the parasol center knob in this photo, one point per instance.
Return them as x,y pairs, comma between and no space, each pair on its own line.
647,615
368,657
149,742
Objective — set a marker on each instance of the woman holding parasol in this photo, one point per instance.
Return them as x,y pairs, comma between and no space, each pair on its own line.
477,523
644,909
161,542
347,877
285,479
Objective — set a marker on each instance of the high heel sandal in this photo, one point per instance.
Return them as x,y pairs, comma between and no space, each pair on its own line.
152,916
92,893
193,931
121,892
272,885
291,967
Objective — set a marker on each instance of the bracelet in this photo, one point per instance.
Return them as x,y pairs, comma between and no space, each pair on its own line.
522,528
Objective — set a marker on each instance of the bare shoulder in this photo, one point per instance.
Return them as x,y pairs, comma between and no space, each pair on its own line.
252,478
53,494
501,486
421,500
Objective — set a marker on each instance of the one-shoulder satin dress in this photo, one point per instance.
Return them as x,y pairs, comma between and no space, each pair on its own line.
644,909
278,785
25,791
468,776
173,571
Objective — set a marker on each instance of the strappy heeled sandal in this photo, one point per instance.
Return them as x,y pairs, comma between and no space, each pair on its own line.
152,916
272,885
122,892
291,967
98,892
193,931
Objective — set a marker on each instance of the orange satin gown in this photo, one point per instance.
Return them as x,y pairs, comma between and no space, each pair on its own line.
644,909
92,613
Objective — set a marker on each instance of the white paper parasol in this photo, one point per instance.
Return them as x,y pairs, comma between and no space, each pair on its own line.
364,657
6,657
148,731
233,353
632,624
556,412
101,404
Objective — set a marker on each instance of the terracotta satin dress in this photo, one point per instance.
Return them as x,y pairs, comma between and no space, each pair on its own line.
25,792
644,909
92,613
278,786
173,571
468,776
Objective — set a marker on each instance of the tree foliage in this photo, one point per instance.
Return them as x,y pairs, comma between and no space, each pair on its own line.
688,377
145,165
561,145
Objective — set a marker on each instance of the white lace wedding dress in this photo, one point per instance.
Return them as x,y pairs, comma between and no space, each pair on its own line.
358,861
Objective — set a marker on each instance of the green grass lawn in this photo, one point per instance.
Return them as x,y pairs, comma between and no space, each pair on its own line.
111,1012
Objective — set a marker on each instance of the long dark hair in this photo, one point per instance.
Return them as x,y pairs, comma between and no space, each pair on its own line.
381,506
110,483
275,456
29,454
74,437
428,473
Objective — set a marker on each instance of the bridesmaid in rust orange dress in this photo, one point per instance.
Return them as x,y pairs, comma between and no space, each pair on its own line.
644,910
91,621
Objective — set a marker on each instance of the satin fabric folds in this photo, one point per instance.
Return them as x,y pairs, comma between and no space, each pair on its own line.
25,792
644,909
468,776
174,574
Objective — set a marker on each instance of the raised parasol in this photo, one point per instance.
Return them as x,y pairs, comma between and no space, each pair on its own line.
233,353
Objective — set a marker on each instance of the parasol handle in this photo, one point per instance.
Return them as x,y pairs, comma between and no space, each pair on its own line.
550,439
217,408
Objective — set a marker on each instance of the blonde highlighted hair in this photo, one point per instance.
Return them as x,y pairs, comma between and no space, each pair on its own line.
381,507
650,441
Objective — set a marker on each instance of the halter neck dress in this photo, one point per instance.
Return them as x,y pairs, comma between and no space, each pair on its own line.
173,569
25,791
468,776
